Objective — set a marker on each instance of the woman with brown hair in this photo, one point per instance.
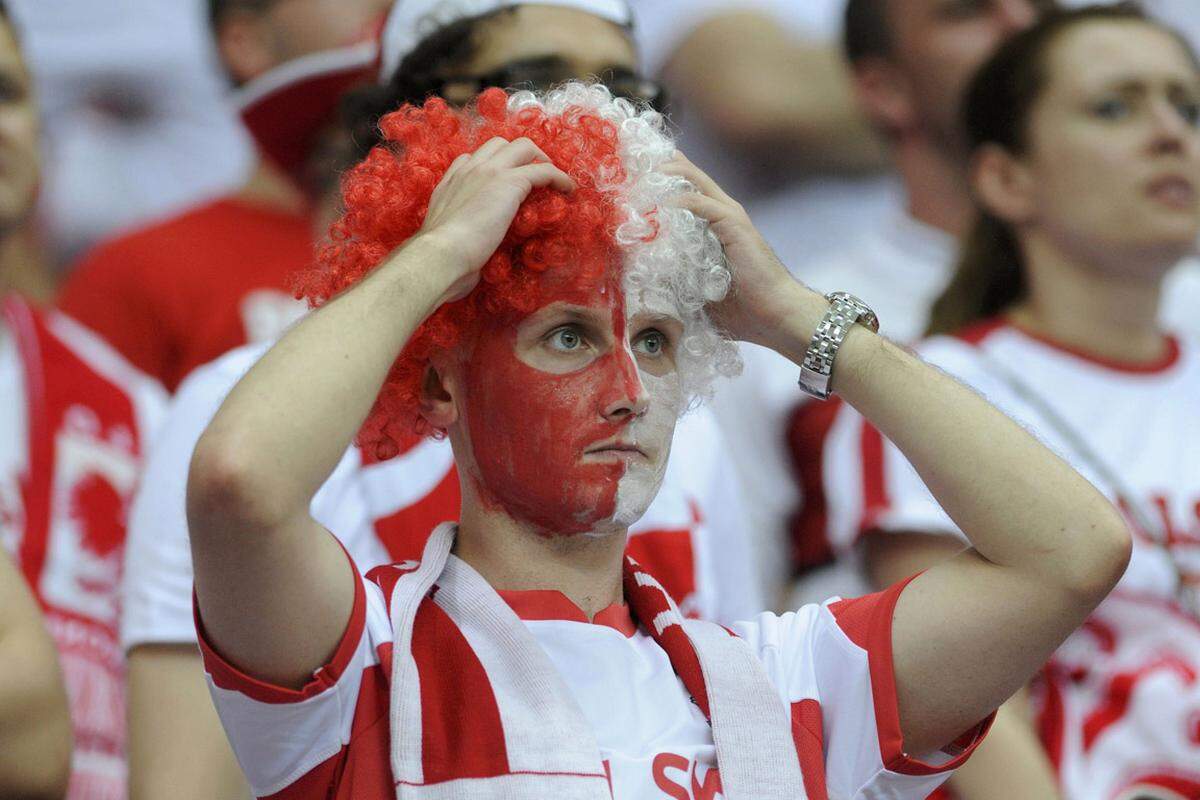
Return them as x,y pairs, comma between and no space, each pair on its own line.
1086,171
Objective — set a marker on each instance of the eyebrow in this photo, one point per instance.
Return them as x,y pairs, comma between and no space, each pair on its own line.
1138,85
657,318
573,313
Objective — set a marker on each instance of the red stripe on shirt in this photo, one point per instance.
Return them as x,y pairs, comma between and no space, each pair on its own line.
808,435
668,556
874,486
808,734
461,732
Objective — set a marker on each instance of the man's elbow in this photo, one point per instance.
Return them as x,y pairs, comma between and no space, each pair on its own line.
227,489
1102,558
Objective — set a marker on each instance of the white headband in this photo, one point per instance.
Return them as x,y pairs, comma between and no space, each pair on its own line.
412,21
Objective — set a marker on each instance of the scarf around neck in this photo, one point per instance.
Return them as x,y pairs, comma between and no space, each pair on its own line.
549,750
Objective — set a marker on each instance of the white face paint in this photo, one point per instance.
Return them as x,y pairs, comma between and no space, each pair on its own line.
654,430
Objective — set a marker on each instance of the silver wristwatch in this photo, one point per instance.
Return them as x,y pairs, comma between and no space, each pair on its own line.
844,310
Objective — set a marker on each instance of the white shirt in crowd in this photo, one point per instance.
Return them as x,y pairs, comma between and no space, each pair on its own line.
1121,700
14,447
697,517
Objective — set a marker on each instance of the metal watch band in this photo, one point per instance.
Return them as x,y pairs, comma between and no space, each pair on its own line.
816,372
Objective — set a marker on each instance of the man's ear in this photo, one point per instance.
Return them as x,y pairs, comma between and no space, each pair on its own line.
243,46
1003,183
437,404
883,94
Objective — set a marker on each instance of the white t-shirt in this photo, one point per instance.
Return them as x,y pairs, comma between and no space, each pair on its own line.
1181,299
693,535
1122,701
831,665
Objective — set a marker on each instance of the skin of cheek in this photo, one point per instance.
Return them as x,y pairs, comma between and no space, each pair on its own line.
528,431
654,432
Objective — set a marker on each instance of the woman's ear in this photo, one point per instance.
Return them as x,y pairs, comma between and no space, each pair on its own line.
1004,184
437,404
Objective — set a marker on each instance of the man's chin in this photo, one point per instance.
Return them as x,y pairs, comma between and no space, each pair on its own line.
636,492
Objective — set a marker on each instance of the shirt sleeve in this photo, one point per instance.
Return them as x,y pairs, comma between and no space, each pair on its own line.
158,559
287,737
833,665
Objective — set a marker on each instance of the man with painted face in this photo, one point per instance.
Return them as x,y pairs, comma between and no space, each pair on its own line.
383,509
533,278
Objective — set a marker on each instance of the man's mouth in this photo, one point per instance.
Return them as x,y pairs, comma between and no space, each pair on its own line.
616,451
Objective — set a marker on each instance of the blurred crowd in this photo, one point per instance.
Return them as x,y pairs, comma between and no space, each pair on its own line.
1014,191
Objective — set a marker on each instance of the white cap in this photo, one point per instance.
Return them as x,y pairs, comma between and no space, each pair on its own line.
412,21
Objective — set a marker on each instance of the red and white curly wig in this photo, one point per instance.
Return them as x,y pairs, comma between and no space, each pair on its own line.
619,217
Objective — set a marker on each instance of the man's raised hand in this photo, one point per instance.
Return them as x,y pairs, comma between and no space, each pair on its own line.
763,292
474,204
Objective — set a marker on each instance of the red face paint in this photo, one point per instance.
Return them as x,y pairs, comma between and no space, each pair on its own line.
529,429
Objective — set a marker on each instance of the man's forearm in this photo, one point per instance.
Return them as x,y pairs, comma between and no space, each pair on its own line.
765,91
289,420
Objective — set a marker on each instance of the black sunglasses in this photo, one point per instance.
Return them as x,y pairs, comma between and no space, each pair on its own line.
543,73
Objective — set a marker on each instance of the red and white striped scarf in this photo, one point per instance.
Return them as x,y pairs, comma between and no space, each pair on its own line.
539,741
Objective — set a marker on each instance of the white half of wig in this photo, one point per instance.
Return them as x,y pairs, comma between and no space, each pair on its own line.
410,22
673,263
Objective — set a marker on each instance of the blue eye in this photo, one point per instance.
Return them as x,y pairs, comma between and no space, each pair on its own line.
653,343
1190,111
566,340
1112,108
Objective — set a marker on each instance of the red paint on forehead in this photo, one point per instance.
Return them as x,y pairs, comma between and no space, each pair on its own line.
529,429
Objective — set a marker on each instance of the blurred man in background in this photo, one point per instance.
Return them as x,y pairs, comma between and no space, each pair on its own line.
75,419
181,292
763,102
135,122
910,63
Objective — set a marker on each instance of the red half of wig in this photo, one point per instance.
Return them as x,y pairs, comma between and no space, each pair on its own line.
568,237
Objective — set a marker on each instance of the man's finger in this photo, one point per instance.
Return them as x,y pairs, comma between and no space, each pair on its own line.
683,168
488,149
520,152
703,206
455,166
544,174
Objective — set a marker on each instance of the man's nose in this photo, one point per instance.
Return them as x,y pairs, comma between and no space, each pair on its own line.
624,395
